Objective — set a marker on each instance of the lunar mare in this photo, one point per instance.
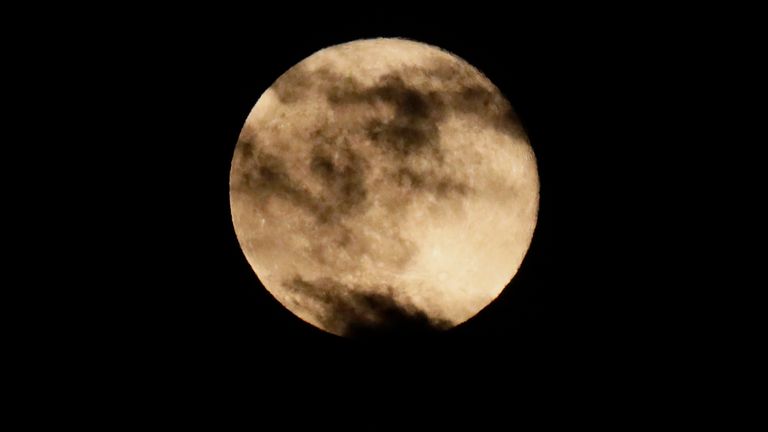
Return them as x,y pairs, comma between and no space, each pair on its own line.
383,185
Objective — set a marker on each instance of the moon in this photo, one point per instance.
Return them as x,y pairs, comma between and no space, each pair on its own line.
384,186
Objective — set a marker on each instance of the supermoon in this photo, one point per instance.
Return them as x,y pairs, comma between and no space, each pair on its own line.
383,185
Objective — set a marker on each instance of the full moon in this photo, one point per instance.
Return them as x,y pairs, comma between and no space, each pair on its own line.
384,186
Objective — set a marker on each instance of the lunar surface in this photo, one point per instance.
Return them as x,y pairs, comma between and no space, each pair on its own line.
383,185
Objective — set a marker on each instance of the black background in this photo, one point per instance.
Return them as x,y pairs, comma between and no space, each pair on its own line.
187,318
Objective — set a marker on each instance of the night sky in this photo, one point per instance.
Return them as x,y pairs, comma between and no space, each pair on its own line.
583,307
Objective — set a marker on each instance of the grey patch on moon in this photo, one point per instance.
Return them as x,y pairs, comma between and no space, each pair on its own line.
467,92
413,128
381,182
361,312
267,176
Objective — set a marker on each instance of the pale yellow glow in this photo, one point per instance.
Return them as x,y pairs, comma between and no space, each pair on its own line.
332,186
